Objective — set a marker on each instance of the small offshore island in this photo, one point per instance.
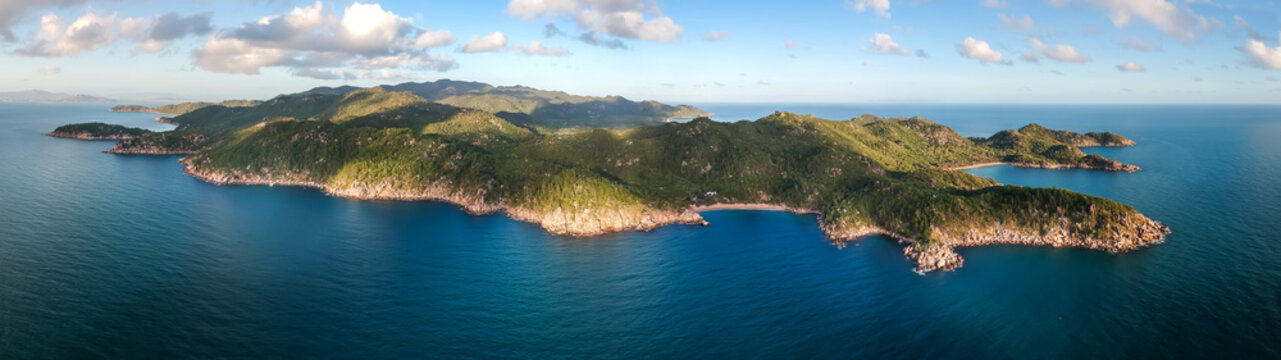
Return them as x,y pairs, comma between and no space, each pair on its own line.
582,166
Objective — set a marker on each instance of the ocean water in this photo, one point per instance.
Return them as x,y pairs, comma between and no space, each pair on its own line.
124,256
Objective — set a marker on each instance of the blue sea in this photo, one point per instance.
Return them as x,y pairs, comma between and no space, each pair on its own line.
124,256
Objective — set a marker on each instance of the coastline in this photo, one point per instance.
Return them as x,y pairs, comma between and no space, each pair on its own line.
750,206
940,255
1118,168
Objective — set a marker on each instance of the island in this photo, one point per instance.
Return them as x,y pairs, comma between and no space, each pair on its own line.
97,131
579,173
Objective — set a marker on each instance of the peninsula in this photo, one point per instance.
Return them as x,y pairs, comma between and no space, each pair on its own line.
578,172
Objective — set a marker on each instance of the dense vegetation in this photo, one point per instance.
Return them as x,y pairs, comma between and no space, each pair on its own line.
863,172
182,108
97,130
535,108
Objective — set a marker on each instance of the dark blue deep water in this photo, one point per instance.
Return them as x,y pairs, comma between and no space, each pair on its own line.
124,256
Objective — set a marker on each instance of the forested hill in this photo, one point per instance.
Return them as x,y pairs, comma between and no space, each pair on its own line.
539,108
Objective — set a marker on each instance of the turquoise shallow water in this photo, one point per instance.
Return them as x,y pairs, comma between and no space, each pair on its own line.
124,256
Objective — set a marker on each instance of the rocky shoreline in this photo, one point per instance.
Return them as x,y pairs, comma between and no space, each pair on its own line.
942,255
937,256
145,150
557,222
1113,167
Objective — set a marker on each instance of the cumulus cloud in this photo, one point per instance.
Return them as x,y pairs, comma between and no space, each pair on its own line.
13,11
716,35
1165,16
629,19
50,70
981,51
57,38
1130,67
535,47
1010,22
93,30
155,34
881,7
493,42
1261,55
312,41
885,44
428,39
230,55
1060,53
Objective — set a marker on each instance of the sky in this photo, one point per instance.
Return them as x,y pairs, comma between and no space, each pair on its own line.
844,51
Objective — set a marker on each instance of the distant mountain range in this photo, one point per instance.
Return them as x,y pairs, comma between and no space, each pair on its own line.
528,106
46,96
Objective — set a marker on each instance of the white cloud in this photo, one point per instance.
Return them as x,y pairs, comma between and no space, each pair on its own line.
1261,55
237,56
995,3
1060,53
885,44
618,18
312,41
155,34
532,8
492,42
1165,16
13,11
881,7
57,38
50,70
434,38
716,35
1130,67
536,48
1009,22
630,25
979,50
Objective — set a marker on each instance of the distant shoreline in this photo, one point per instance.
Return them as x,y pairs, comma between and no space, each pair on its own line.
979,165
750,206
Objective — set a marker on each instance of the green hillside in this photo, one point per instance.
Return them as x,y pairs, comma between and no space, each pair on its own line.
535,108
